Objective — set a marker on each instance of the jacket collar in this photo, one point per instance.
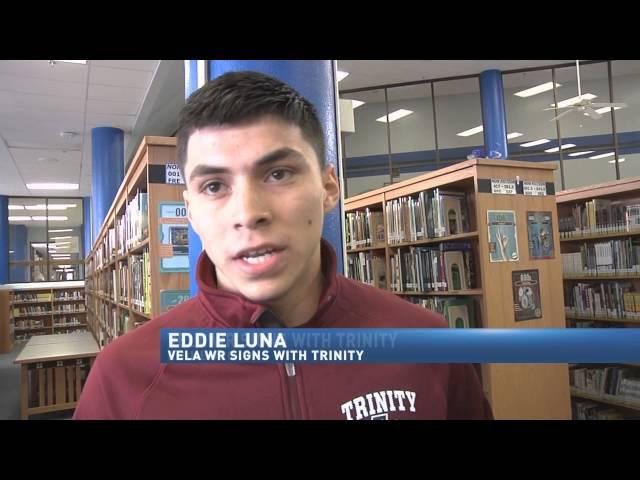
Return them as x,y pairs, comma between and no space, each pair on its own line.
234,311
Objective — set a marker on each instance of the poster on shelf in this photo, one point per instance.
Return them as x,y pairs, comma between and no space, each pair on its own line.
540,233
526,295
172,298
174,237
503,238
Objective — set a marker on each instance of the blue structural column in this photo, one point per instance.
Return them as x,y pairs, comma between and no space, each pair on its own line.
107,154
315,80
87,239
493,113
4,239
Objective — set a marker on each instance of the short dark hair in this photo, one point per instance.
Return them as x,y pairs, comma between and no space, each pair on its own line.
238,98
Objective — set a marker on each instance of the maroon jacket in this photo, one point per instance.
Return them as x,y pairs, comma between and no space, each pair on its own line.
128,381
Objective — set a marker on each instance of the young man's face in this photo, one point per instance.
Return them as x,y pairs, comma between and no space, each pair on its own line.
256,196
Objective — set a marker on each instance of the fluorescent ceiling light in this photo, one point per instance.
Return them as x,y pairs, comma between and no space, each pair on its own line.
42,245
51,218
60,231
620,160
47,207
11,251
514,135
62,243
573,100
342,75
16,207
60,238
529,92
356,103
577,154
19,218
606,109
535,142
602,155
471,131
81,62
52,186
557,149
393,116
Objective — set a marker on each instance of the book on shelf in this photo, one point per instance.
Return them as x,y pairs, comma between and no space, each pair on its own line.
140,282
620,256
426,215
588,410
614,382
458,311
367,268
446,267
601,216
364,229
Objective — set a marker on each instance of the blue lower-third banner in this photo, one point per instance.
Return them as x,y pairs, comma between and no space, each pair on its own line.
405,345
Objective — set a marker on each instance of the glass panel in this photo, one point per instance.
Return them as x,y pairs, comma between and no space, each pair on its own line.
458,118
365,148
588,147
65,238
413,145
626,89
27,240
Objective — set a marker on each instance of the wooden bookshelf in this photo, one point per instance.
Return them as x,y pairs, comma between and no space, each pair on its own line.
35,308
515,391
605,222
140,250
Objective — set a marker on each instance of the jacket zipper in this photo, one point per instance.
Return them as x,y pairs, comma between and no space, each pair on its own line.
292,384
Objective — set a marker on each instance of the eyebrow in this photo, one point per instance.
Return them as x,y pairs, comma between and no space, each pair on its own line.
269,158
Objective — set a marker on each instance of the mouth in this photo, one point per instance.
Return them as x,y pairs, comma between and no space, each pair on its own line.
260,259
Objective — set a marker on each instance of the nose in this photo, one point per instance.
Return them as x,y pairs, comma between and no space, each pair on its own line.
250,208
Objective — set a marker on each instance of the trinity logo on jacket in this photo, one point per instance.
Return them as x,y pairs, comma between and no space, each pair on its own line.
378,405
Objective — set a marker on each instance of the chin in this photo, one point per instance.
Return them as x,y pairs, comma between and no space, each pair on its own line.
264,293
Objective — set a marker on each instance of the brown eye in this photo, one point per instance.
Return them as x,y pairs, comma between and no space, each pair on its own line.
279,175
213,188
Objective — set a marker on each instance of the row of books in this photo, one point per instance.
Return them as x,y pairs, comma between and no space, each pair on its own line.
458,311
69,321
619,257
31,297
615,300
31,323
620,383
133,226
600,216
427,214
587,410
141,282
45,390
367,268
69,295
448,267
364,229
31,309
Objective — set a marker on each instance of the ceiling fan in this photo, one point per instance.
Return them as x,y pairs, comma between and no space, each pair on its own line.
584,105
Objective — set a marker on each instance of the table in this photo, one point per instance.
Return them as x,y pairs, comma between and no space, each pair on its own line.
53,371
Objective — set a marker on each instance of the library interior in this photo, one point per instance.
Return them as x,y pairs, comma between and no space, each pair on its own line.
499,194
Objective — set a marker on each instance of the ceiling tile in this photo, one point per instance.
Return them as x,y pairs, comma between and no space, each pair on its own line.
112,107
120,78
145,65
61,72
121,94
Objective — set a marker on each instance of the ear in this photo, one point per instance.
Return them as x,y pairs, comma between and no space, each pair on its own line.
185,196
331,188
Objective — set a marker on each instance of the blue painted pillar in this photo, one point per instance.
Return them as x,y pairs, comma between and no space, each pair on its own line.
4,239
18,245
493,113
87,239
313,79
107,171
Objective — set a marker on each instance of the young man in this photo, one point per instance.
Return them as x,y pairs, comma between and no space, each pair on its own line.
257,189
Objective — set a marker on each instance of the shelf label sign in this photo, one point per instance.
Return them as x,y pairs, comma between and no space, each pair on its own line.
172,298
173,174
503,186
531,187
174,237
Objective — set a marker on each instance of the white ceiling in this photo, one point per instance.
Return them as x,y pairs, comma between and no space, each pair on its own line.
143,97
39,101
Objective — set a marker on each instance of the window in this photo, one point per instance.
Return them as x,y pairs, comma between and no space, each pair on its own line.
45,239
